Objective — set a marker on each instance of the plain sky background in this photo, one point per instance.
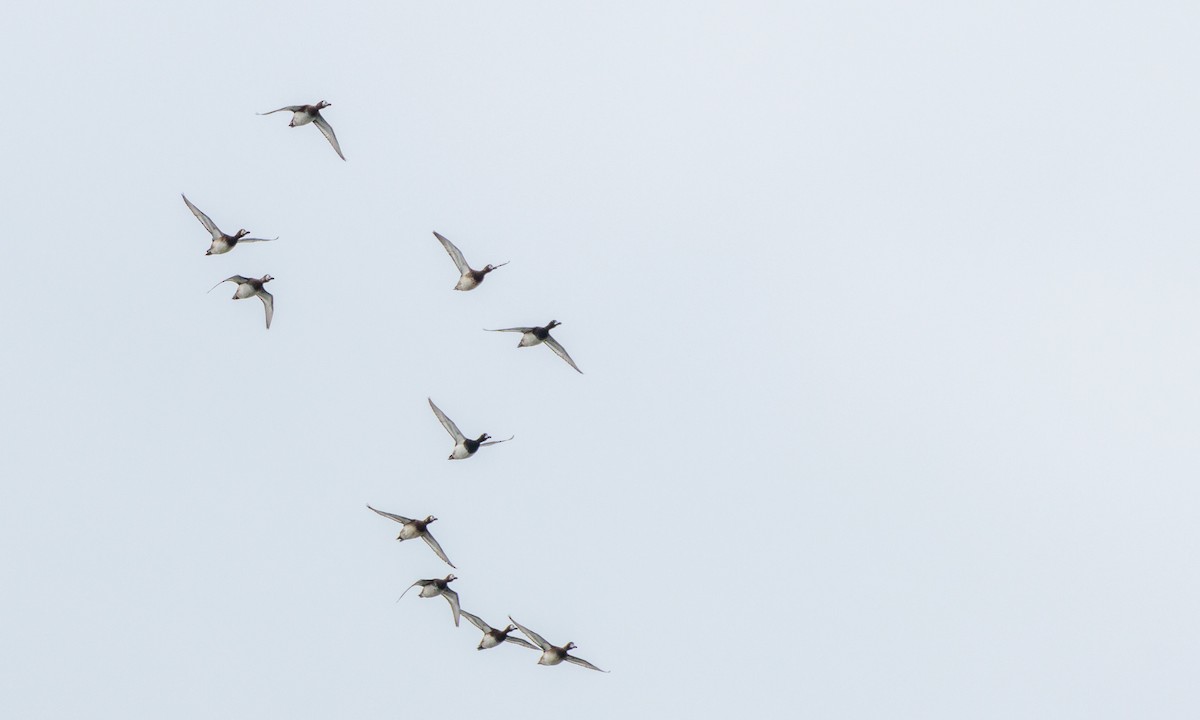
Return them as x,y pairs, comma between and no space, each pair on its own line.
888,314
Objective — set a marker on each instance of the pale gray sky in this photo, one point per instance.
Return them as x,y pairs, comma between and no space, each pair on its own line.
888,315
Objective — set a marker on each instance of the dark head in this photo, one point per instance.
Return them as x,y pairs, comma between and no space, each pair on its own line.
490,268
570,646
483,437
510,628
241,233
429,519
267,279
450,578
552,324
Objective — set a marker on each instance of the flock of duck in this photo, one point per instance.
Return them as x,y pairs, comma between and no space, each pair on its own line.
464,447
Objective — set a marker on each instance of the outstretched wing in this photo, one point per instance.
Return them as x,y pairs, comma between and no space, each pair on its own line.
422,583
496,442
249,239
268,301
541,641
205,220
437,548
519,641
582,663
447,423
327,130
289,108
398,518
561,352
520,330
476,621
452,598
455,254
234,278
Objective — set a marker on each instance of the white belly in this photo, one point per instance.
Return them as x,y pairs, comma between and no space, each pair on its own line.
408,532
219,247
430,591
460,453
244,291
301,118
488,642
529,340
466,282
549,658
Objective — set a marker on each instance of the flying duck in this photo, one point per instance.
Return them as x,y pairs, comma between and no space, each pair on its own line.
464,447
249,287
552,655
416,528
433,588
221,243
538,335
305,114
492,636
470,278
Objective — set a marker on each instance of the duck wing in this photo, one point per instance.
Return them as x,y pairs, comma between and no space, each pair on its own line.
205,220
517,329
455,254
541,641
452,598
327,130
420,583
250,239
239,279
560,351
289,108
476,621
436,548
268,301
447,423
582,663
521,642
398,518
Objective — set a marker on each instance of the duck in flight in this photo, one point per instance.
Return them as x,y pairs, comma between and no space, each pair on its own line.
249,287
541,335
411,528
493,636
551,654
221,243
470,278
434,587
464,447
305,114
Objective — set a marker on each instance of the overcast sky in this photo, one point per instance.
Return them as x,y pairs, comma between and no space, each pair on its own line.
887,313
